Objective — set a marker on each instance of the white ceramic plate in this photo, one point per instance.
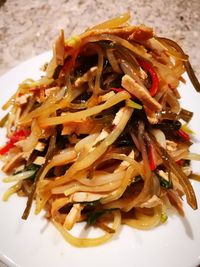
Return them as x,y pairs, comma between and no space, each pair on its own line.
34,242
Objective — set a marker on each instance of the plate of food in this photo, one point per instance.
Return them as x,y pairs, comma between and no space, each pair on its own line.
99,153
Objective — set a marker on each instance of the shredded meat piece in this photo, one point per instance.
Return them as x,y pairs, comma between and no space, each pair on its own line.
40,146
171,145
155,45
140,92
83,196
151,115
152,202
187,170
22,99
39,161
15,161
132,33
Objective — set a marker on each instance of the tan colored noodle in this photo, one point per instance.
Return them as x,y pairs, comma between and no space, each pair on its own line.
90,242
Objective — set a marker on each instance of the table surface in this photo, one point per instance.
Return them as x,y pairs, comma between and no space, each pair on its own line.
28,28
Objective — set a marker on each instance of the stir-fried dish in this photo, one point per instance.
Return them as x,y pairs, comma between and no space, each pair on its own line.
101,137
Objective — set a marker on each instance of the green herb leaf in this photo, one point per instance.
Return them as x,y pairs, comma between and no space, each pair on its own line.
95,215
133,104
164,183
31,167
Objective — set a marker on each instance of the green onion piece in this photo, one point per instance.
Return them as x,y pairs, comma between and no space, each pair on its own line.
18,177
95,215
164,183
163,217
30,167
132,104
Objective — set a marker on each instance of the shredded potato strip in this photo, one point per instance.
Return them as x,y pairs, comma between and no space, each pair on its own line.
81,115
131,172
90,242
76,187
96,153
50,106
65,157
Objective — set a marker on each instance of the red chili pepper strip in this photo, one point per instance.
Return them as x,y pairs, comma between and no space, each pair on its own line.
180,162
17,136
184,135
152,163
6,148
154,77
117,90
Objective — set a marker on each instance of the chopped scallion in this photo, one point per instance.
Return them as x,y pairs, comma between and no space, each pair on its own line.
132,104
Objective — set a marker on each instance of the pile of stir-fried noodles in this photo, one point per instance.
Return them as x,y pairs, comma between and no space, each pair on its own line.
101,137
